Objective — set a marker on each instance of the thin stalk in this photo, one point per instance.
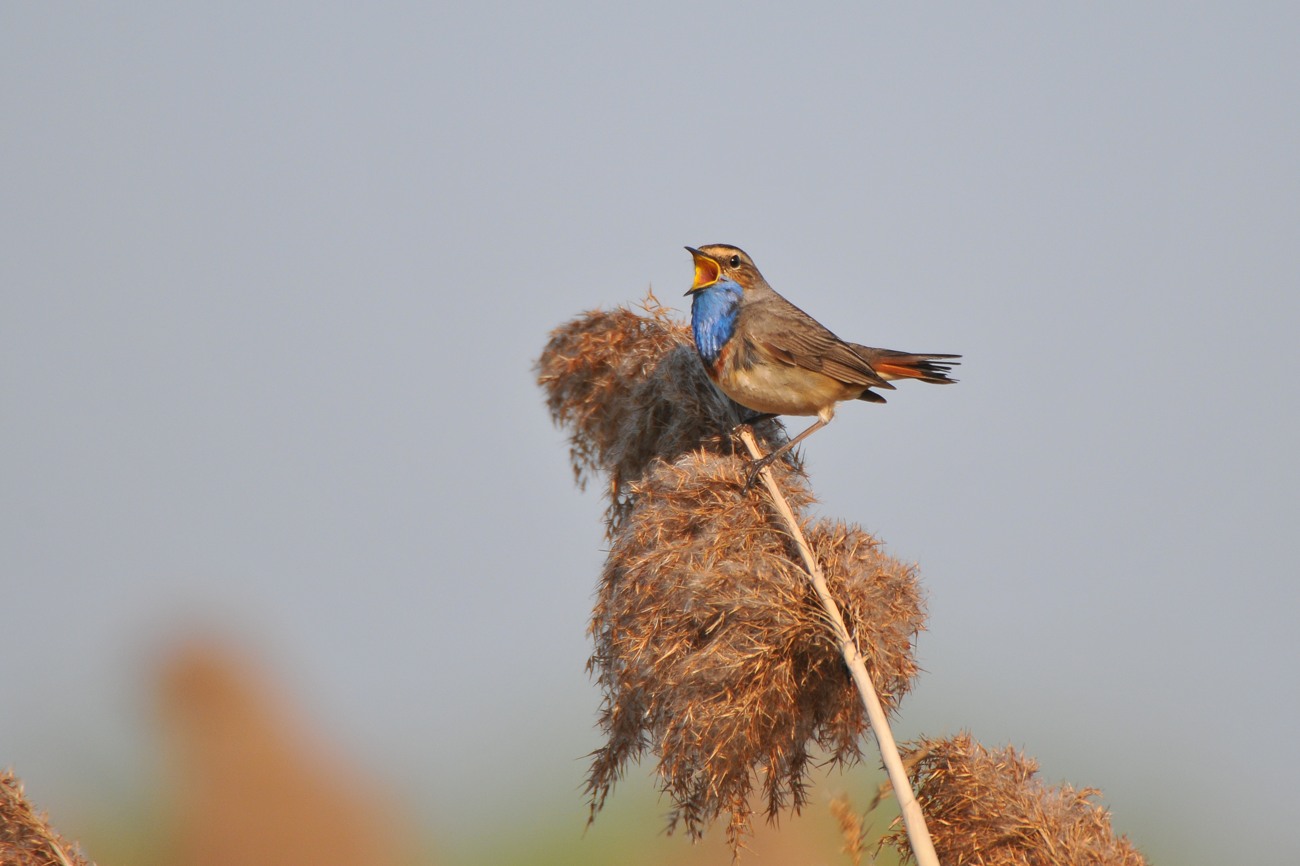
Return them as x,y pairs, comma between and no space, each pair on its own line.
918,835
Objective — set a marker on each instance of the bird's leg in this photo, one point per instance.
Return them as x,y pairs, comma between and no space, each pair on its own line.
748,421
759,465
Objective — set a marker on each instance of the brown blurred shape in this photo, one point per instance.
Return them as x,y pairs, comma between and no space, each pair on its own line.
252,784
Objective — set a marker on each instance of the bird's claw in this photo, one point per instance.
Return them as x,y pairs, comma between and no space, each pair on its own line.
755,469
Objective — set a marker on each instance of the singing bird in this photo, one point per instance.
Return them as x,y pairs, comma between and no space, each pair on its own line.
770,356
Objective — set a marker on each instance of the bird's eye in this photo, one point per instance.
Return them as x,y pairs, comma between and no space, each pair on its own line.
734,262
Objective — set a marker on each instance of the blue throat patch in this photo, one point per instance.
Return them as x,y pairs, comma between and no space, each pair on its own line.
713,317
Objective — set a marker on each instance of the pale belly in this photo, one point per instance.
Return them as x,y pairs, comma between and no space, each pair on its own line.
784,390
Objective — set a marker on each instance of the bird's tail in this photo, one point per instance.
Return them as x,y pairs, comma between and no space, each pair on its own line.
890,364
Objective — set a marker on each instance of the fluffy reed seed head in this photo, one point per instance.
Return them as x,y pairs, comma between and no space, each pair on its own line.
852,827
987,808
26,838
631,389
711,650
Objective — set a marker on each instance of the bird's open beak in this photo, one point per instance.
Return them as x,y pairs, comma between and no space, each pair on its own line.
707,271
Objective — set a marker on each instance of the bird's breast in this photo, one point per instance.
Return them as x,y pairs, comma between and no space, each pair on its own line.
713,319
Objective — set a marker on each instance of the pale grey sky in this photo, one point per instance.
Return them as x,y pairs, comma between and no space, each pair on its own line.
272,279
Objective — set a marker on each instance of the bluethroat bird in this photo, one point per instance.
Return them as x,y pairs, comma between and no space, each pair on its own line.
773,358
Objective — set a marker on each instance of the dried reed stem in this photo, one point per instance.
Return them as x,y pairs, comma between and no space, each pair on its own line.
918,835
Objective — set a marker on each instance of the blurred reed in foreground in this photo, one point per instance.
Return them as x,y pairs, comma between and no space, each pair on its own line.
251,782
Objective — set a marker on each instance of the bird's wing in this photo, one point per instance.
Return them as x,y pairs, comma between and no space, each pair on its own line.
791,336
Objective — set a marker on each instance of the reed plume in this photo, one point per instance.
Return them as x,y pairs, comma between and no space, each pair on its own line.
711,649
853,828
26,838
631,390
987,808
730,629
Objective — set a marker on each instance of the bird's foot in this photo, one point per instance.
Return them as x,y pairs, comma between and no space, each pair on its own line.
755,469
